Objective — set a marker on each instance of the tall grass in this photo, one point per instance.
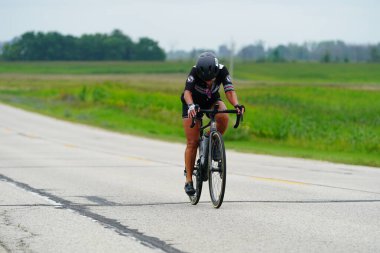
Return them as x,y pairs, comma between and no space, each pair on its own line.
311,73
327,120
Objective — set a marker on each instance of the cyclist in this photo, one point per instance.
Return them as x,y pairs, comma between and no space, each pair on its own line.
202,88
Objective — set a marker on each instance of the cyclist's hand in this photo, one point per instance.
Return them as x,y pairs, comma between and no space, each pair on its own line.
240,109
192,111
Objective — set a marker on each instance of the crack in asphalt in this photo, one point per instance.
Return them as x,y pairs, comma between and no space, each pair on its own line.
21,242
2,245
149,241
6,223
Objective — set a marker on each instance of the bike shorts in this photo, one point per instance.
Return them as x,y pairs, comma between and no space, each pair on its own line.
204,105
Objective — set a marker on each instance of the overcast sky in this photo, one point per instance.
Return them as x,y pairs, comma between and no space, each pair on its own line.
188,24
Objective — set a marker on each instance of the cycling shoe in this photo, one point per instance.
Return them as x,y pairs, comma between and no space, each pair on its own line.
189,189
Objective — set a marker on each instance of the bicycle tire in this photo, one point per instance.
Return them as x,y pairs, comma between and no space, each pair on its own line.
217,170
198,182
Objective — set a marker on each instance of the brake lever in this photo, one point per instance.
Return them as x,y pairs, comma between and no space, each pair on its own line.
193,119
239,117
192,123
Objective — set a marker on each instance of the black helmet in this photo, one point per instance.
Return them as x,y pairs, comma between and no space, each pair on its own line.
207,66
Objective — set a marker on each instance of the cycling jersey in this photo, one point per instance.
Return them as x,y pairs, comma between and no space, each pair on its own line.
202,95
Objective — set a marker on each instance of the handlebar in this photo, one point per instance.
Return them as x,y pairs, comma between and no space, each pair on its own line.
213,112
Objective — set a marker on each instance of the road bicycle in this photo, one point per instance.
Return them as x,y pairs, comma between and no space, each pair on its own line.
211,163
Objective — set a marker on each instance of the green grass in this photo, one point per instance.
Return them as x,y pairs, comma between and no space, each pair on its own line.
349,73
334,73
336,120
80,68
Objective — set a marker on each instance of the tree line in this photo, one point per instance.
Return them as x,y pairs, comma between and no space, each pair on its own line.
53,46
118,46
325,51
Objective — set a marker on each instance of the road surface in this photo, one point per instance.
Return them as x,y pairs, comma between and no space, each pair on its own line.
71,188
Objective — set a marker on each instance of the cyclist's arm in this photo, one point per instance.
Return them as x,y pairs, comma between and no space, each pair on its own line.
229,87
232,97
188,96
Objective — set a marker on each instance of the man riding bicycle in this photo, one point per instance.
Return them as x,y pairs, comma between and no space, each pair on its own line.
202,88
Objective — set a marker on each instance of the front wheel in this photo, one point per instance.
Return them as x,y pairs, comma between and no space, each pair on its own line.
217,169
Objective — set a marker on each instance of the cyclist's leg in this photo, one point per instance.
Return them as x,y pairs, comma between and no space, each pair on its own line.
222,118
192,142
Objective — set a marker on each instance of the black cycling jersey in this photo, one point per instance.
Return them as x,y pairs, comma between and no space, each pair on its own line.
202,95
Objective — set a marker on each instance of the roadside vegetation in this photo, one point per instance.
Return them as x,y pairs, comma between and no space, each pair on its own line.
320,111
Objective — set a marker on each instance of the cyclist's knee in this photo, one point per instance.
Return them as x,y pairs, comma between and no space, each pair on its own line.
192,144
222,106
222,123
222,118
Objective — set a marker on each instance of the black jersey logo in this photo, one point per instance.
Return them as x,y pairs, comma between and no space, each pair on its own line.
228,79
190,79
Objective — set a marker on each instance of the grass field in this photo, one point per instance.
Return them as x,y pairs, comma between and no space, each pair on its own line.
320,111
311,73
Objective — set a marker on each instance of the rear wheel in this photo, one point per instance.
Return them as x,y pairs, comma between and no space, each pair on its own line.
217,169
197,182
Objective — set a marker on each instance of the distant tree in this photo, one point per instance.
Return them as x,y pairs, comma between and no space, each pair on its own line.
337,51
28,46
91,47
224,52
178,55
326,57
54,46
148,50
118,46
11,51
277,54
296,52
71,48
252,52
374,54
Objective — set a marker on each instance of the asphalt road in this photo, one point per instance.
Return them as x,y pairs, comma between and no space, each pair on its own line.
71,188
